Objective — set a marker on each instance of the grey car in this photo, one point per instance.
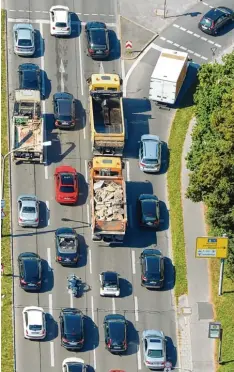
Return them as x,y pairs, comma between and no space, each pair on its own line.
23,39
154,349
28,211
150,153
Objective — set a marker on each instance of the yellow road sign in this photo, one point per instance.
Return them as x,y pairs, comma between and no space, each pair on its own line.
211,247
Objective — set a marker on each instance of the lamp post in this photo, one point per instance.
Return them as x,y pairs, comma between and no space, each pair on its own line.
164,9
44,144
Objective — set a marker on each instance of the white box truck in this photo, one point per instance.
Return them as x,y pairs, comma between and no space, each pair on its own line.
168,76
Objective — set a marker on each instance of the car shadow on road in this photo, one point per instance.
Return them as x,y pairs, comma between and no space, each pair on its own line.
80,115
46,88
51,328
164,217
43,215
115,48
132,340
75,26
39,45
82,262
83,190
91,335
170,274
47,277
171,351
125,288
228,28
137,115
90,369
165,158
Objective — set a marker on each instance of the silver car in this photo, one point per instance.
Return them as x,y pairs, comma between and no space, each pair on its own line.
150,153
23,37
28,210
154,349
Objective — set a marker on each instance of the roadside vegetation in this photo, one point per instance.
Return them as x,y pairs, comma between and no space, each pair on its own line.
6,319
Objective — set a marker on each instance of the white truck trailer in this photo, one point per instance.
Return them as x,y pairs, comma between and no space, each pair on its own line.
168,76
28,128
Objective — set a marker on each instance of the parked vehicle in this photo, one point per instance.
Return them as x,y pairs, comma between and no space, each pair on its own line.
60,21
64,110
34,323
148,211
66,185
28,211
154,349
168,76
74,364
72,329
67,246
30,271
106,114
150,153
215,19
23,39
97,40
109,223
109,284
30,77
152,268
115,330
28,126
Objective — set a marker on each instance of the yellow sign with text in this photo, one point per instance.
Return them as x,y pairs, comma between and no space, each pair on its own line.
211,247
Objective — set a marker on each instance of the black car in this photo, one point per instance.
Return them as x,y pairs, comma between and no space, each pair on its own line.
30,271
67,246
215,19
152,268
97,40
72,328
64,110
148,210
29,76
115,329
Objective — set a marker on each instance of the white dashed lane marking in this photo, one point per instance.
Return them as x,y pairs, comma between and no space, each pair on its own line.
195,35
210,6
183,48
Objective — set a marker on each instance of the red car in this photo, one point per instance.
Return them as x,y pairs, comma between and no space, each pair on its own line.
66,185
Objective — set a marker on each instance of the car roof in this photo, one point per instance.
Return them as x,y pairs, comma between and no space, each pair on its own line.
29,203
60,15
117,330
96,25
110,276
31,267
215,13
27,198
65,231
150,146
155,343
67,179
65,106
23,26
24,34
152,264
35,316
72,322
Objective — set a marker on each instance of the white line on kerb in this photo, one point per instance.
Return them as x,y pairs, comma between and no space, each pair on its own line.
113,306
86,171
49,259
71,299
92,308
46,170
133,262
139,358
136,308
52,353
94,358
90,261
81,68
48,212
50,304
128,170
88,217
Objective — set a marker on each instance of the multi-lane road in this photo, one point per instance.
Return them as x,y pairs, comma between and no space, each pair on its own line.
66,66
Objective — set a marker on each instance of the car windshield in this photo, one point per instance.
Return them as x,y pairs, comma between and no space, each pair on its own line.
25,42
206,22
35,327
60,24
29,210
155,353
151,161
67,189
98,37
110,283
149,209
30,80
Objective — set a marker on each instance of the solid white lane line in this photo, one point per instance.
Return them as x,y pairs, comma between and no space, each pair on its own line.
136,308
46,170
49,259
71,300
94,359
113,306
52,353
50,304
128,170
90,261
48,212
81,68
88,217
133,262
139,358
86,171
92,308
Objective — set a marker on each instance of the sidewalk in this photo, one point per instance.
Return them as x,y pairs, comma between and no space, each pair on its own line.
194,326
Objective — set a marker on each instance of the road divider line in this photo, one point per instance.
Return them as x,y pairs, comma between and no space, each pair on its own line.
50,304
71,299
92,308
46,170
86,171
139,358
128,170
48,213
133,262
52,353
88,217
81,68
49,259
136,308
90,261
94,358
113,306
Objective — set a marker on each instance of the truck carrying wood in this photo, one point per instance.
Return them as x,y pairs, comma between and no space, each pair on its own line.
168,76
106,114
28,126
108,200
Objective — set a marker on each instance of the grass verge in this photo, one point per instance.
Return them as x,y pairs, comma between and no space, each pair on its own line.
176,141
6,321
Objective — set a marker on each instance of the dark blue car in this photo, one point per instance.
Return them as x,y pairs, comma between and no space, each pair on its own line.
30,271
152,268
64,110
115,329
30,77
67,246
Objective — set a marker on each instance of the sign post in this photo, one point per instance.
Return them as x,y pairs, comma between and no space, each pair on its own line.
216,332
128,44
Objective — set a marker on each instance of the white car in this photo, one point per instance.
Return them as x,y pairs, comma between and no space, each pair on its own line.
73,364
60,21
109,284
34,323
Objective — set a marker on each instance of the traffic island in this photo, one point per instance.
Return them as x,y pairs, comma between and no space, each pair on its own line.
134,38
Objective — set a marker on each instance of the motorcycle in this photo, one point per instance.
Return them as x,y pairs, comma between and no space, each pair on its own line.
74,284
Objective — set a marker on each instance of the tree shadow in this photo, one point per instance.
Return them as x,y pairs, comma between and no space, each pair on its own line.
169,274
137,115
39,45
115,48
91,335
133,340
80,115
125,288
82,261
171,351
83,190
164,217
47,277
47,85
51,328
44,215
75,26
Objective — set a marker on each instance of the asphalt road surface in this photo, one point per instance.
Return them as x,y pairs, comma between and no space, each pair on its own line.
143,309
